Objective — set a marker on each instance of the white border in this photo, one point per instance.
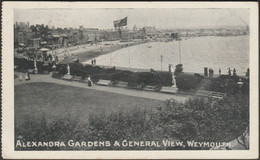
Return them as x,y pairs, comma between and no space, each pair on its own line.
8,84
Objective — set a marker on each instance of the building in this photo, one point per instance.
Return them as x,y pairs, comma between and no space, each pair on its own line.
175,35
22,34
35,43
151,32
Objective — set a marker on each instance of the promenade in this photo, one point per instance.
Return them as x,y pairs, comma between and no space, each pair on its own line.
129,92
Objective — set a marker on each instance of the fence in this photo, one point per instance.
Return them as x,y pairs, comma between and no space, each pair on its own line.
210,94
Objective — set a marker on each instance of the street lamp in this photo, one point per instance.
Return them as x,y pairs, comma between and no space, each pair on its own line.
161,61
240,84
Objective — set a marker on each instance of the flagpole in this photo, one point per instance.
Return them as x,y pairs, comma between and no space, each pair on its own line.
128,48
180,51
110,59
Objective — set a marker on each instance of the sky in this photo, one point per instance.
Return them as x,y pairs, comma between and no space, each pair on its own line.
160,18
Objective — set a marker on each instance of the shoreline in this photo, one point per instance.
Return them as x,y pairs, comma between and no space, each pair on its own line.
84,56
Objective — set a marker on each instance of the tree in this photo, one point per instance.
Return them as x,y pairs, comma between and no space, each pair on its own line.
178,69
206,119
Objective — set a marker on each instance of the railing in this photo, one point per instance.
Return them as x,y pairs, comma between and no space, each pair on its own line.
211,94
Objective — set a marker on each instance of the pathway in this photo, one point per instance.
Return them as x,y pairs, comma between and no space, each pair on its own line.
130,92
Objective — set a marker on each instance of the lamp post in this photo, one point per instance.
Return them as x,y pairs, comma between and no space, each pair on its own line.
161,61
240,83
180,51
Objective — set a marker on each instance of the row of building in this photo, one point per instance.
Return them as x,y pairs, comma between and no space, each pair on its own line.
42,36
36,36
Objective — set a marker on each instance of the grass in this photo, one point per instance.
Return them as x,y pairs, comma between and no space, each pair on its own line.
55,101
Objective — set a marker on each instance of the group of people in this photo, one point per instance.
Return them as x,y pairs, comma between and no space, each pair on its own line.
93,62
27,76
53,58
211,72
229,72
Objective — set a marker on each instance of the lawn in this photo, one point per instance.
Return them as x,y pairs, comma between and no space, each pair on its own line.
54,101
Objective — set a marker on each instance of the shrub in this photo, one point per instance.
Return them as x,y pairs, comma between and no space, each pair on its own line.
147,78
92,70
77,69
205,84
187,81
24,64
121,76
62,69
245,86
178,69
165,78
225,84
198,119
204,119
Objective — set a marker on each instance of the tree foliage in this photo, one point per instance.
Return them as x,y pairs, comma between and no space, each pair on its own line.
204,119
198,119
178,69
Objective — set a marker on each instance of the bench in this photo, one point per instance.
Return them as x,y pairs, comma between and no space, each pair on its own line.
211,94
121,84
149,88
67,77
77,78
172,90
103,82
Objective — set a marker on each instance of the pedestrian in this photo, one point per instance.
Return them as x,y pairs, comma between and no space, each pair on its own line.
20,76
229,72
56,58
210,72
50,57
94,61
27,76
219,71
234,72
89,82
247,72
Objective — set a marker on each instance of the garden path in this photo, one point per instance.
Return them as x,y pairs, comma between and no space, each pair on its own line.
130,92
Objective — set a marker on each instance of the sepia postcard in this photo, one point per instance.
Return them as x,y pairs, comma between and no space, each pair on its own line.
130,80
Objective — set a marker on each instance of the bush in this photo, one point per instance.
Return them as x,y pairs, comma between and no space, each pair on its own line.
77,69
205,84
148,78
24,64
204,119
178,69
92,70
245,86
62,69
165,78
187,81
121,76
198,119
226,84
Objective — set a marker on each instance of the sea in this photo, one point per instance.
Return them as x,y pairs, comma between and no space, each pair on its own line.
194,53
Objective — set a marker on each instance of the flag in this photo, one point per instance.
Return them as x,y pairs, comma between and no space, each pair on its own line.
121,22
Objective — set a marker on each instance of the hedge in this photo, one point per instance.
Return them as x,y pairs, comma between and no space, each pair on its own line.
133,79
227,84
187,81
25,64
